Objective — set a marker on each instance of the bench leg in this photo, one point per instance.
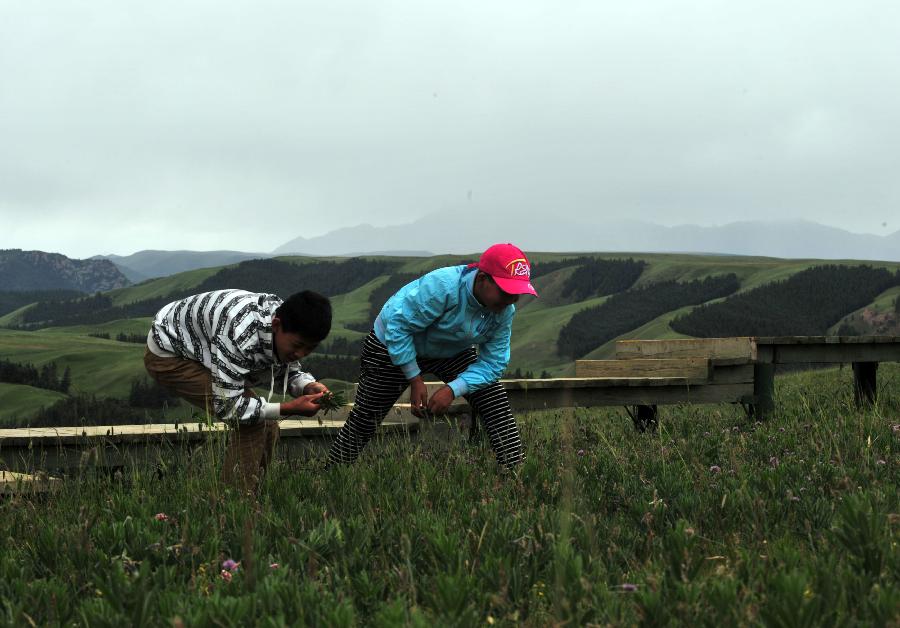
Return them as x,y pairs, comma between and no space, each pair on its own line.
763,390
645,417
864,382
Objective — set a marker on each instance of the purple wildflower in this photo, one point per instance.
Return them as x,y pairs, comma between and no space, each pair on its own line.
629,587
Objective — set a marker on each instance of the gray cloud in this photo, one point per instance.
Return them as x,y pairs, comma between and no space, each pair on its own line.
200,125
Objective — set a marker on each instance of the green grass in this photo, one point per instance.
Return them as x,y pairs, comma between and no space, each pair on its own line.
162,286
534,334
102,367
352,307
15,317
17,400
883,304
713,521
122,326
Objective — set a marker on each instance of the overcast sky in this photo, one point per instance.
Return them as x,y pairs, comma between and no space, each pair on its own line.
241,125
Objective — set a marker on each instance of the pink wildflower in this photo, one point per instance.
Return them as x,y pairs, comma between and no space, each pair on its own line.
274,566
226,575
230,565
715,469
161,516
580,452
628,587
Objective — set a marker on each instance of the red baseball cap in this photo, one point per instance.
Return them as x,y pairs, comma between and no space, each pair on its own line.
509,267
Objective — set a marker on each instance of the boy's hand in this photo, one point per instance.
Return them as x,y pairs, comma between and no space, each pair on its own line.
305,405
440,400
315,387
418,396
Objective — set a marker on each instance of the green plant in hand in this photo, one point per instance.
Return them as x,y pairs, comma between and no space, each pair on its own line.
332,401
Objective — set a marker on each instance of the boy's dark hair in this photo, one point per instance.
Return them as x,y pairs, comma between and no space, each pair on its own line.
306,313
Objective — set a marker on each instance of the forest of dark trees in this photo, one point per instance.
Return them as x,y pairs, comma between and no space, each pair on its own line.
345,367
47,377
84,409
284,279
92,310
805,304
601,277
340,346
10,301
590,328
264,275
379,296
539,269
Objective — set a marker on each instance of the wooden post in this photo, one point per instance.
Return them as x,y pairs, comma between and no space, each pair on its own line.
646,417
763,390
864,382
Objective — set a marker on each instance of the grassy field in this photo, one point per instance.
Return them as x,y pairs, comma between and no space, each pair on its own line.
17,400
714,521
103,367
107,368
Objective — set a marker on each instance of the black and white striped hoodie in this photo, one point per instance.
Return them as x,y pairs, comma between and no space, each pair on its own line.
230,333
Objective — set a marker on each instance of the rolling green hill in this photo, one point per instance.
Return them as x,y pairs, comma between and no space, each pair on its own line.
102,367
107,367
17,400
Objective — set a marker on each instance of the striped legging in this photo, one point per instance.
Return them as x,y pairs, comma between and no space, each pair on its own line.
381,383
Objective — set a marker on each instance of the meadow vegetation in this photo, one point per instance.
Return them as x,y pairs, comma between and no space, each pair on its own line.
714,520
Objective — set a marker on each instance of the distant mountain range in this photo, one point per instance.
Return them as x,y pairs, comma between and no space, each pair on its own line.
458,233
36,270
461,234
151,264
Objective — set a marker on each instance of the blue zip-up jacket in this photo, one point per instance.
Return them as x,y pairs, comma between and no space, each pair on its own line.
437,316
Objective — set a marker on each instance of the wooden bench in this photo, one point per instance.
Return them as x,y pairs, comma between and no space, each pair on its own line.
718,370
864,353
754,359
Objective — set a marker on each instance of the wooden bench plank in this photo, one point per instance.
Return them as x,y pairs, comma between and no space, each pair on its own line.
12,483
524,399
160,432
696,370
740,350
732,374
806,340
563,383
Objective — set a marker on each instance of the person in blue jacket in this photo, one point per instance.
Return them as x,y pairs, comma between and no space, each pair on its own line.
454,322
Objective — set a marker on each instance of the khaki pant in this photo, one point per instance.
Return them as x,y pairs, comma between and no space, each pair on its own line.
250,448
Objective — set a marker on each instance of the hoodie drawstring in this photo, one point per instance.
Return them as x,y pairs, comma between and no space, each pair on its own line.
272,383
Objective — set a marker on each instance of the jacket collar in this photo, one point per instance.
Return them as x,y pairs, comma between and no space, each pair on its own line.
468,278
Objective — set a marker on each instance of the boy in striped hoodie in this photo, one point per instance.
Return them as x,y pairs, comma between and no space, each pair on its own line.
455,322
212,348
